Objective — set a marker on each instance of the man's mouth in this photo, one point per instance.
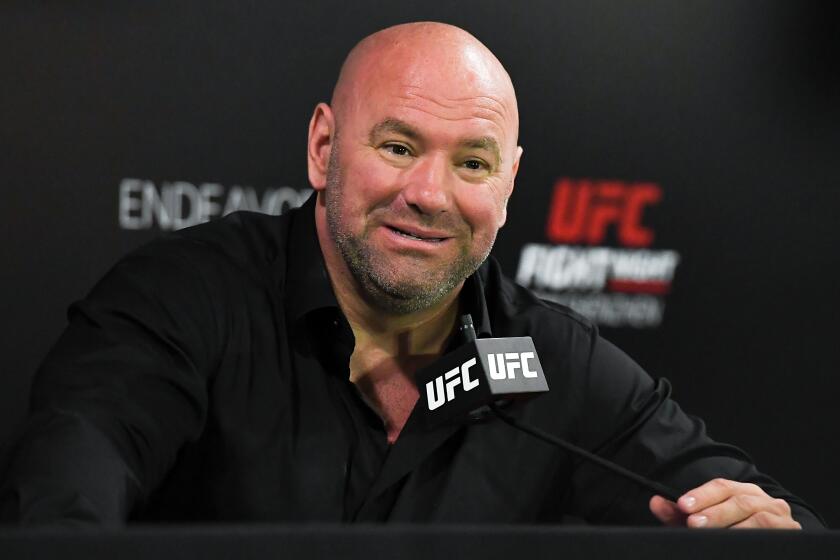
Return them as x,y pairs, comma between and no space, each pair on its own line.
417,236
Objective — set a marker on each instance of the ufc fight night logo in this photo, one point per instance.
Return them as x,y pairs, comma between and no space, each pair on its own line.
601,261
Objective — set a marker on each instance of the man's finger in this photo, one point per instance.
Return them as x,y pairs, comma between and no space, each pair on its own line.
667,512
765,520
715,492
733,510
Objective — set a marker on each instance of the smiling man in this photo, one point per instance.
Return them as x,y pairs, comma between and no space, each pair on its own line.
262,368
413,162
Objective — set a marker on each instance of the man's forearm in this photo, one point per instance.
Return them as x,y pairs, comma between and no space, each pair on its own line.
65,470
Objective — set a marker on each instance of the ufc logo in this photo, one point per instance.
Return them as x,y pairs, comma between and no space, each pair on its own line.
581,211
504,366
451,379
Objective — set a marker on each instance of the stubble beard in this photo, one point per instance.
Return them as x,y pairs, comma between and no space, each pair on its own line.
382,283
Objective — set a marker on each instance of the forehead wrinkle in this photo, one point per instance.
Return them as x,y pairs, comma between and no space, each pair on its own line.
455,119
481,111
487,102
501,111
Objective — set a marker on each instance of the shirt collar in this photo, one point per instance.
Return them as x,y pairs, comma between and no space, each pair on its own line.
308,287
307,284
473,301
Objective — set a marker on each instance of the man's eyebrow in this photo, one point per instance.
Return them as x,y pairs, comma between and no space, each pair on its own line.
394,126
484,143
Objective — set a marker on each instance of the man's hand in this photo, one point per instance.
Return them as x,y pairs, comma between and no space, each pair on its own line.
725,503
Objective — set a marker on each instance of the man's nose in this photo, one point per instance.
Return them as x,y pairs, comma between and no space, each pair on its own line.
428,185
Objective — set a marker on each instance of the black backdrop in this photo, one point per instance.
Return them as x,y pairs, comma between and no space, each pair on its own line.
116,115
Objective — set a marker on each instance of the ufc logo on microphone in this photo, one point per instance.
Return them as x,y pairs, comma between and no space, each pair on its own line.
451,379
582,210
504,366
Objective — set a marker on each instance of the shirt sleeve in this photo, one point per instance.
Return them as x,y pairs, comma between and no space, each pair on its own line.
632,420
119,394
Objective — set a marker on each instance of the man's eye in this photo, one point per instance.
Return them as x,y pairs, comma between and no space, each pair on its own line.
475,164
397,149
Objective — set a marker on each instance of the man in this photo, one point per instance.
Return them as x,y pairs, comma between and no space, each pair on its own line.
262,368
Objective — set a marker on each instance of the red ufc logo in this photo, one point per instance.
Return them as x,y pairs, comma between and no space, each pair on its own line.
581,210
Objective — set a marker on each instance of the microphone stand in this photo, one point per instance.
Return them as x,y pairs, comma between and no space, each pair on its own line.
648,484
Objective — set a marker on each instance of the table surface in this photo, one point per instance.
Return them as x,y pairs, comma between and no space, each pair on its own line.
428,542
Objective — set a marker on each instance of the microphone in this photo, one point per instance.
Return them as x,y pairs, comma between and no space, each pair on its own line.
479,372
480,375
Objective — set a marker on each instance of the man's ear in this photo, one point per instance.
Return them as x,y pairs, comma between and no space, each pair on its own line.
321,137
517,155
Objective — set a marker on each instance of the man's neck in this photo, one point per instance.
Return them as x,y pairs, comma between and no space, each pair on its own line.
422,332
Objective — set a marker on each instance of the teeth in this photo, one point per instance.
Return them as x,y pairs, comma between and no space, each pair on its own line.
405,234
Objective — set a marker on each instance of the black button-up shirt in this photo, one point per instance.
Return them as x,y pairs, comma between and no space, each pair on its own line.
206,378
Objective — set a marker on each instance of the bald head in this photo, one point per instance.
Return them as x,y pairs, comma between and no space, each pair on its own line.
439,58
414,161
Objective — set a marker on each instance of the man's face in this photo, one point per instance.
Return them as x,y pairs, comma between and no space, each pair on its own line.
417,184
